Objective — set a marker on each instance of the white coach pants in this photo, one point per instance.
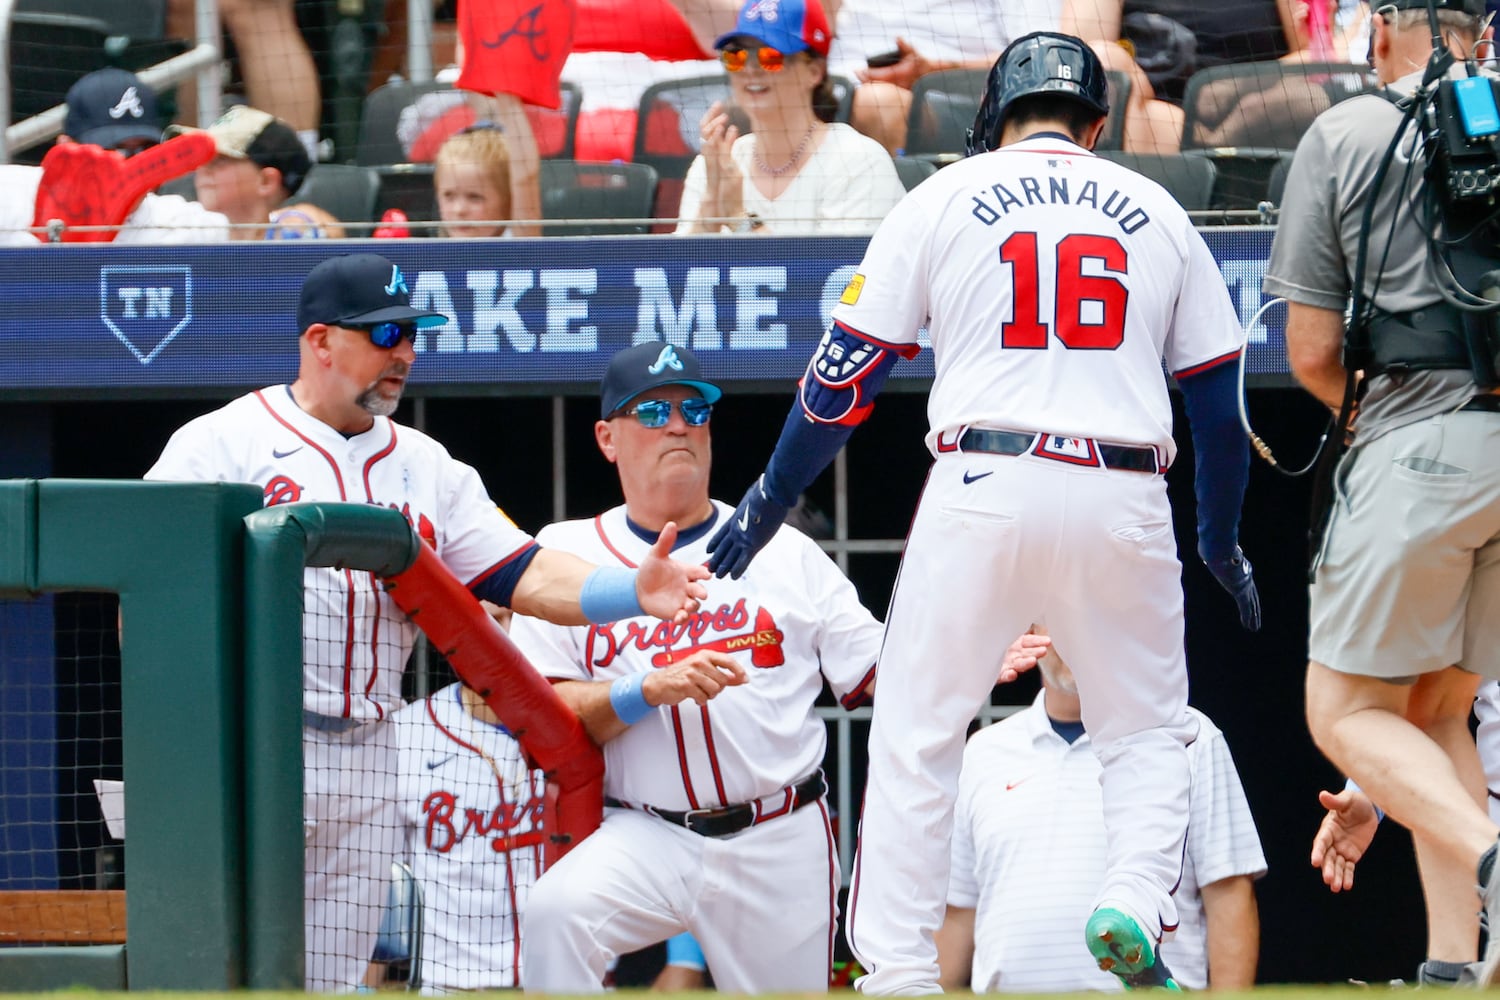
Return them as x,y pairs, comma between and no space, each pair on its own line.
1088,552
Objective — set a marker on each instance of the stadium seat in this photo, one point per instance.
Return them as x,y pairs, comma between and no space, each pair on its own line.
408,188
913,171
400,115
1242,174
140,20
1264,104
399,943
48,53
1189,179
348,192
1276,187
573,190
943,106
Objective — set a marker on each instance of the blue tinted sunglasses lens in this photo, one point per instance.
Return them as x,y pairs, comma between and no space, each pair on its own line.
655,413
390,334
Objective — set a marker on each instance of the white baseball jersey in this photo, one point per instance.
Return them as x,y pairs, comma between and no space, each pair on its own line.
794,618
1053,284
791,620
471,810
1029,849
1040,250
356,641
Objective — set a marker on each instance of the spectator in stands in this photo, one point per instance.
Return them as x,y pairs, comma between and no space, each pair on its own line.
797,172
261,164
1159,44
1029,849
889,46
114,109
471,182
277,66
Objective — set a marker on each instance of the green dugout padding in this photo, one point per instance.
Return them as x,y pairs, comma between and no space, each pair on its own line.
214,870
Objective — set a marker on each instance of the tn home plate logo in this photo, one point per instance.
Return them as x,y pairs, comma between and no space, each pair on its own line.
145,307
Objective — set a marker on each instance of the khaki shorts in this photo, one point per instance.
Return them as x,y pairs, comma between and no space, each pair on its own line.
1408,581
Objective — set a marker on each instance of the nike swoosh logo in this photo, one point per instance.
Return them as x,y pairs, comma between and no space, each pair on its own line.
745,520
1008,785
284,454
974,479
434,764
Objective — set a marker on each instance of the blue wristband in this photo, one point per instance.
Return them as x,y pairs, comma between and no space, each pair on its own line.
1349,785
608,595
684,950
628,699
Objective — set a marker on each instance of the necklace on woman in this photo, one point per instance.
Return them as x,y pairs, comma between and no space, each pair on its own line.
766,168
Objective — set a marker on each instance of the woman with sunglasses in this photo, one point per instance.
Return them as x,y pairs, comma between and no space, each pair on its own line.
795,172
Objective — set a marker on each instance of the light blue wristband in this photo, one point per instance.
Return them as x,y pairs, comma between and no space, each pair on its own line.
628,698
608,595
1349,785
684,950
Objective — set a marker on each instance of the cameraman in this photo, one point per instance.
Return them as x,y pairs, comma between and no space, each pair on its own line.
1405,596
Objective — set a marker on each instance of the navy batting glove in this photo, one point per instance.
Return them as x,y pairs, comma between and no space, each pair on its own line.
755,520
1235,575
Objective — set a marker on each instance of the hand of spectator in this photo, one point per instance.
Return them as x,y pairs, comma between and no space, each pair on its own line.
1344,836
87,185
698,679
1022,655
725,190
904,72
666,588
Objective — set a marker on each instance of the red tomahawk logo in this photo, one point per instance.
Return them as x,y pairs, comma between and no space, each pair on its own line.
764,645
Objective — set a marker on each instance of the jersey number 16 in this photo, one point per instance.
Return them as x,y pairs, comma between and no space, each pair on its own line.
1028,330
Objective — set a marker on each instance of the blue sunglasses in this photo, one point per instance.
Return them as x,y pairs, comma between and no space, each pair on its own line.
387,335
654,413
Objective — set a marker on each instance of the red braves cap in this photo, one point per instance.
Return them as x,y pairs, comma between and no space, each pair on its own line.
785,25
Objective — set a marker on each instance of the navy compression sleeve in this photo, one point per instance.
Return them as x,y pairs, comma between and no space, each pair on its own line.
1222,456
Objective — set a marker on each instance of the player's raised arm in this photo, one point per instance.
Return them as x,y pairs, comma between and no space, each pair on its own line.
834,396
561,588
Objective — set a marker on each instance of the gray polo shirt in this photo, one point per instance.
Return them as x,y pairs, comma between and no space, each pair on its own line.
1317,239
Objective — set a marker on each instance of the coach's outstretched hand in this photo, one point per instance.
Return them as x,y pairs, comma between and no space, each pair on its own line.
1236,576
665,587
1344,836
755,520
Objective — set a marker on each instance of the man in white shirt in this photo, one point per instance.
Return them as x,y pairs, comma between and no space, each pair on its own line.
1029,854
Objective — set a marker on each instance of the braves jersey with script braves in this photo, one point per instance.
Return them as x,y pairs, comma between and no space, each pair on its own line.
1042,248
1029,849
472,814
791,620
355,640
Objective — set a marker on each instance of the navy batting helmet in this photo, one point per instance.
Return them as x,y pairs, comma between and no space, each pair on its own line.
1041,63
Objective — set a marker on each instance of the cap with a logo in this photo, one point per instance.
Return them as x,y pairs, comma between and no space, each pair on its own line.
785,25
357,289
245,133
111,106
651,366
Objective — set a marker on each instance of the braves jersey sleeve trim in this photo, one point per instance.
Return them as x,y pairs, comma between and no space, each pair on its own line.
502,576
1206,365
860,696
907,351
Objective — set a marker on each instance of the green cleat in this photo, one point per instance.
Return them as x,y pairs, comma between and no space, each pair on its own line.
1120,946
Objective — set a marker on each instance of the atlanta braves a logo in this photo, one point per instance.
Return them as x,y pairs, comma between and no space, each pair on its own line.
669,642
526,27
507,826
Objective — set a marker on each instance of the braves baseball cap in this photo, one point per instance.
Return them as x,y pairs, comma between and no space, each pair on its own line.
111,106
650,366
784,25
245,133
356,289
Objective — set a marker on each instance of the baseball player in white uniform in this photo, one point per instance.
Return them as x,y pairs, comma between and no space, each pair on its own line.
716,820
471,812
1053,285
1029,853
328,436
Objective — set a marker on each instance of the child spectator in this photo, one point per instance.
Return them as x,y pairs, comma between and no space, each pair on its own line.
471,182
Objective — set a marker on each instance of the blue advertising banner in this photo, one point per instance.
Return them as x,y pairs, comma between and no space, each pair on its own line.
527,315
